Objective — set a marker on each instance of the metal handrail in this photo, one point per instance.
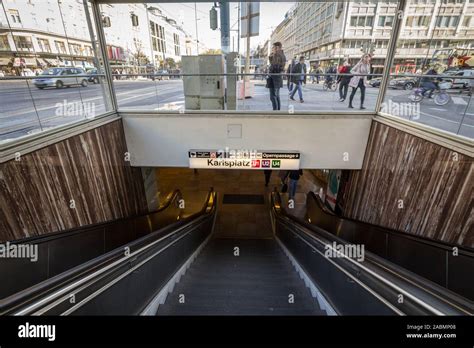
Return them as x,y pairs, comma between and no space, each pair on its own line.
31,299
425,240
6,78
378,267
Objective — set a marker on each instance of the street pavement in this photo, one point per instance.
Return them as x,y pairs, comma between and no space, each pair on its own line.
25,109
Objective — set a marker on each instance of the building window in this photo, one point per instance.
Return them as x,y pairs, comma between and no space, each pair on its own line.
467,21
15,16
134,20
23,43
75,49
177,48
385,21
418,21
447,21
60,47
44,45
158,37
4,45
362,21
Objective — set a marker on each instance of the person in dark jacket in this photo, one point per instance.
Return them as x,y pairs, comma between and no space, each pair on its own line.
289,70
277,66
268,175
298,77
293,184
429,84
344,80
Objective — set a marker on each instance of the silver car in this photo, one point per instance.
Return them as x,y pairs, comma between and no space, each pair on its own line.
59,77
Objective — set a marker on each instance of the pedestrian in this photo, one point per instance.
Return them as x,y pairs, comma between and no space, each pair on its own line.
289,70
268,174
344,80
294,176
277,65
283,180
298,78
361,69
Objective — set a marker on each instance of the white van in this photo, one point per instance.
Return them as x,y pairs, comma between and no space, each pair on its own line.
459,82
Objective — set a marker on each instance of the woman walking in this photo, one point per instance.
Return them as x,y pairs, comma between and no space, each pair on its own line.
277,65
362,69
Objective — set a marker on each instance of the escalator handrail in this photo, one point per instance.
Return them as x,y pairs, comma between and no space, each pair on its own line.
319,235
171,197
52,287
425,240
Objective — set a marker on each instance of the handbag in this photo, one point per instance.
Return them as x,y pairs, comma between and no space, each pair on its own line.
284,188
269,83
354,82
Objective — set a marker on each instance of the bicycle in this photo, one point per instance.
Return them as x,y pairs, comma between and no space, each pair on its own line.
329,85
441,96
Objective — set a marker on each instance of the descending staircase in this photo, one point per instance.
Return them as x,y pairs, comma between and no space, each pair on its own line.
260,281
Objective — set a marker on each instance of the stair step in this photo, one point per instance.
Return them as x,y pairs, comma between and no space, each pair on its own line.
257,282
192,299
202,311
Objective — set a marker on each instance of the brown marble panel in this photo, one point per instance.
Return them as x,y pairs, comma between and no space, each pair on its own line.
35,192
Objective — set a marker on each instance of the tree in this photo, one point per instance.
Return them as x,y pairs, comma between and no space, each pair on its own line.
140,57
213,51
170,63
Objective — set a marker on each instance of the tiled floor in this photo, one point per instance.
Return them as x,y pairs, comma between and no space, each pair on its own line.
233,220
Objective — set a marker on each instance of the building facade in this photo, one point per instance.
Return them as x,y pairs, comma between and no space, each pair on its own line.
35,36
329,32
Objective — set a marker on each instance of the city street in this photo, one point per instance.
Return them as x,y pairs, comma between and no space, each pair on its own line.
21,115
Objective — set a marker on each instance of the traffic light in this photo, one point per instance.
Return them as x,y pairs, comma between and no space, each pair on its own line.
213,18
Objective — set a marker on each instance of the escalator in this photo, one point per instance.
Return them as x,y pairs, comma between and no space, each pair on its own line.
447,265
61,251
184,269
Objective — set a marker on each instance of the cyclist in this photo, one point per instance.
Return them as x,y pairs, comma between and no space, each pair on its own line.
428,83
329,75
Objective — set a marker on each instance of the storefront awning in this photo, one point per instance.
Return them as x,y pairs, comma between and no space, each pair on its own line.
41,62
5,61
30,61
23,62
52,62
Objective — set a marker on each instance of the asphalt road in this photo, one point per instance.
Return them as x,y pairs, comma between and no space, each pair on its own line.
25,110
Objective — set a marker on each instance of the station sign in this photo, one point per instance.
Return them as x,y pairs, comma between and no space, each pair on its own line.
244,159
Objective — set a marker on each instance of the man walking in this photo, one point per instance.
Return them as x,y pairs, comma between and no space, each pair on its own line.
289,70
294,177
298,77
344,80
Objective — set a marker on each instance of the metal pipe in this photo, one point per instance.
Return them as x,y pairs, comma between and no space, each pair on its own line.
392,46
103,49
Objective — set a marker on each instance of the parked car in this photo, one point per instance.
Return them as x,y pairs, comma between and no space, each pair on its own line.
406,83
375,82
56,77
93,75
459,81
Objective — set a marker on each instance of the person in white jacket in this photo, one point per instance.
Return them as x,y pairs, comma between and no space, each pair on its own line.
361,70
